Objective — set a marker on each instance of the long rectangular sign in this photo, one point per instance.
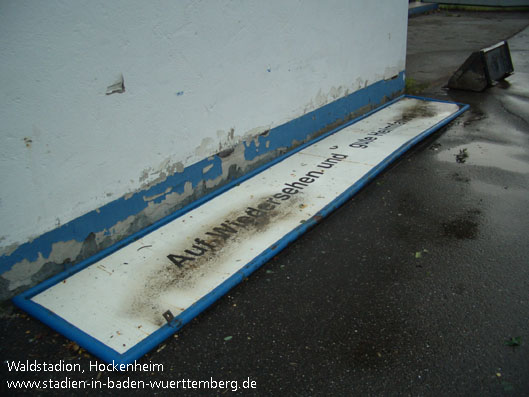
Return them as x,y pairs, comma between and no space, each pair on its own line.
124,304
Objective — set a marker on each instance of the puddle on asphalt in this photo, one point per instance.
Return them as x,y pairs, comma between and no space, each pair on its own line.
516,191
487,154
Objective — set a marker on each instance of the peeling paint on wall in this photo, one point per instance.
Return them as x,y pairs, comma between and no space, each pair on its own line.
205,147
118,87
291,134
150,198
22,272
207,168
9,249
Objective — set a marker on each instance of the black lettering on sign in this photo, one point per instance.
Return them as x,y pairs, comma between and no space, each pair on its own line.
201,250
266,206
289,190
363,142
296,185
331,161
207,244
223,231
311,174
250,217
281,196
179,260
254,212
271,200
306,180
244,220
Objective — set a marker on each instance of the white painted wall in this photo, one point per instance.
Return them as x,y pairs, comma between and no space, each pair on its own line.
192,70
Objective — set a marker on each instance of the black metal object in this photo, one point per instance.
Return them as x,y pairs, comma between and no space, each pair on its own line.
168,316
482,68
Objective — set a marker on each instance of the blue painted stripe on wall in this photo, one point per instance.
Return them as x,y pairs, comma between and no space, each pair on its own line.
107,216
320,118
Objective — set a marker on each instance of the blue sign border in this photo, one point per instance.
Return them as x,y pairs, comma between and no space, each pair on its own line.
108,354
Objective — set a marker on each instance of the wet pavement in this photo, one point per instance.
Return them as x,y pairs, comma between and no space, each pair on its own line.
416,286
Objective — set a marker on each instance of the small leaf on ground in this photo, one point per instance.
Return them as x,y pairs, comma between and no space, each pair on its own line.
515,341
462,156
227,338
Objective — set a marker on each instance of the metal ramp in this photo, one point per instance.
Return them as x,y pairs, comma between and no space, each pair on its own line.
124,301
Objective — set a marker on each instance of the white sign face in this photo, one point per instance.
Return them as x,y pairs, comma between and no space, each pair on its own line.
120,300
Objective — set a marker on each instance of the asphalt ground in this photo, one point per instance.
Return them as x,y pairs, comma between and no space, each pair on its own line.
419,285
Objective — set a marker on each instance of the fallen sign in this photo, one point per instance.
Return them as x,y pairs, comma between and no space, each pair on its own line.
482,68
124,301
